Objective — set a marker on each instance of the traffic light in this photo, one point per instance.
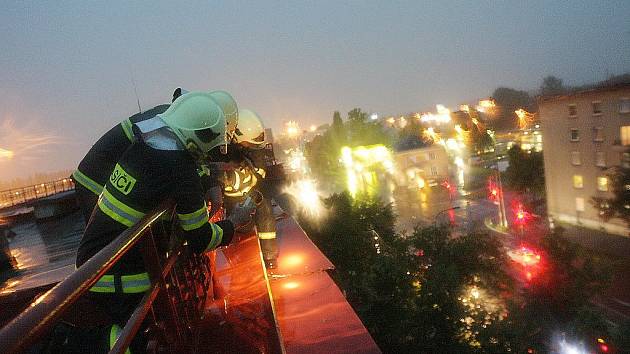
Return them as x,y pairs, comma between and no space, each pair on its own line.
521,215
603,347
493,190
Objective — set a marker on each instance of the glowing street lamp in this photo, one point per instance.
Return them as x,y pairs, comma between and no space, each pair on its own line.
293,129
524,118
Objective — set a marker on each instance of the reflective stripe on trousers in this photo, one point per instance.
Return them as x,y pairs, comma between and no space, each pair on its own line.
114,334
131,284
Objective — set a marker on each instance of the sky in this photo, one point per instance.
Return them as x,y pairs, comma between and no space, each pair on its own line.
68,68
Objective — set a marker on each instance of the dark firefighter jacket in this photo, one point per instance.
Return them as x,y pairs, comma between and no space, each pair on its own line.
99,162
141,179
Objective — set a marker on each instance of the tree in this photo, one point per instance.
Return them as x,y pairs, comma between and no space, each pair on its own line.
526,172
410,137
558,298
552,85
323,152
509,100
408,290
619,204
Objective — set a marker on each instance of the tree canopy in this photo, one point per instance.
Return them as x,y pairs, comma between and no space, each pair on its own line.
509,100
436,291
617,205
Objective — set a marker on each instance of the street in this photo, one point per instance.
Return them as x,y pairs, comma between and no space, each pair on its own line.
432,206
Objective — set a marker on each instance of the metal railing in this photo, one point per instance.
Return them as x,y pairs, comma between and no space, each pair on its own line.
17,196
180,285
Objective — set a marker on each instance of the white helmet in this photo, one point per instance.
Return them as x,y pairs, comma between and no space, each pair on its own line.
229,108
197,121
250,129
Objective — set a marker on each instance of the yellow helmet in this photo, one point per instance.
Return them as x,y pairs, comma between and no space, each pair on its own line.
250,130
197,120
229,108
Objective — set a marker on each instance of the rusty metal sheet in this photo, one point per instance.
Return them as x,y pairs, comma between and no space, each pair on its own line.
242,308
314,317
297,253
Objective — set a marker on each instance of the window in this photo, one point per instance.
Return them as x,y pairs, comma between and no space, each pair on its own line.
434,171
597,107
576,158
578,181
575,134
625,135
600,158
602,183
598,134
625,159
624,105
572,110
579,204
431,156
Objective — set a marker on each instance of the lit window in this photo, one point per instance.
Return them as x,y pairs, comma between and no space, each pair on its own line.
572,110
598,134
434,171
576,158
600,158
624,105
597,107
625,159
431,156
602,183
579,204
578,181
575,134
625,135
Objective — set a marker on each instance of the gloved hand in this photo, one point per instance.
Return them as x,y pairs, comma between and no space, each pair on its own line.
215,196
242,214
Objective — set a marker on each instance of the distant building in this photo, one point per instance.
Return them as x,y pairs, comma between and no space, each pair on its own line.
585,132
422,167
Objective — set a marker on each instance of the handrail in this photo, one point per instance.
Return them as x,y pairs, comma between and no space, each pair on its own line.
15,196
39,318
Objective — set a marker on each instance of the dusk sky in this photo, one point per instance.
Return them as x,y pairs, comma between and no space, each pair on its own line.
66,68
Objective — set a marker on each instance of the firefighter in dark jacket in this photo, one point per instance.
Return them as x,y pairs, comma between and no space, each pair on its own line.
248,179
160,164
97,165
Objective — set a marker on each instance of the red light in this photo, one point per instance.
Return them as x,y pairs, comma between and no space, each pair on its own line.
495,192
529,275
603,348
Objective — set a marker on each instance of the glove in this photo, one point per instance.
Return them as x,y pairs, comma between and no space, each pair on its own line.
242,214
215,196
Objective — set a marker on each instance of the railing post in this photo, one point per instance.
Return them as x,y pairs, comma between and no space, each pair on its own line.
152,263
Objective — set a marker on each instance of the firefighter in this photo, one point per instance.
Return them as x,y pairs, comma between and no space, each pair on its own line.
160,164
99,162
248,179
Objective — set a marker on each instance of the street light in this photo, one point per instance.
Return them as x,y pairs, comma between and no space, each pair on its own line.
435,218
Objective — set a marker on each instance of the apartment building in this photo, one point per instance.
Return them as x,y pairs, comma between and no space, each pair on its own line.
585,133
422,167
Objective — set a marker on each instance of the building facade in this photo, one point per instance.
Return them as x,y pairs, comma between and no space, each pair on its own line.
422,167
585,133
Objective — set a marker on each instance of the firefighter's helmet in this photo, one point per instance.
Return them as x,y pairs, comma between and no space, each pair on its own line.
229,108
198,122
250,131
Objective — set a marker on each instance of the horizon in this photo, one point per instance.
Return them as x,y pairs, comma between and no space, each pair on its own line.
71,70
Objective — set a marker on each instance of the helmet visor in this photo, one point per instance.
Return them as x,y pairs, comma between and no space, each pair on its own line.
206,135
260,138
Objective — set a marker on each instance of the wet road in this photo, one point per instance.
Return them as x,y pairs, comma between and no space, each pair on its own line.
431,205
